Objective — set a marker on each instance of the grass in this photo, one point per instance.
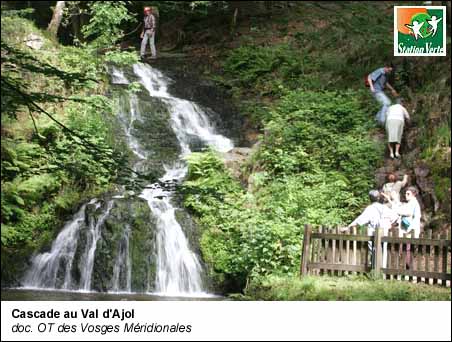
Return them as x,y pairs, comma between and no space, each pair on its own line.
353,288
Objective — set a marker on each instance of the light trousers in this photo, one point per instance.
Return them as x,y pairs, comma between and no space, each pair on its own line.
149,35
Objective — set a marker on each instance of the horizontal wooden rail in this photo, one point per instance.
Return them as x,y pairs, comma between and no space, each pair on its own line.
427,242
340,237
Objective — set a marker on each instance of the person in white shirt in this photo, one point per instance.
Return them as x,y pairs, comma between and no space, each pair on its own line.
148,33
411,212
376,215
395,122
393,187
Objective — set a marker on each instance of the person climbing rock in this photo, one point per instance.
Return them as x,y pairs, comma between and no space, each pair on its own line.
395,123
376,215
393,187
148,33
377,82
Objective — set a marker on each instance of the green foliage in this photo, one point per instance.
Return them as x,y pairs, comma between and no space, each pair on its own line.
16,13
191,8
68,152
121,58
237,239
314,165
106,17
267,69
320,131
352,288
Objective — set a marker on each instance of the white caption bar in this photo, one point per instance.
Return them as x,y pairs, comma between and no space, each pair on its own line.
140,321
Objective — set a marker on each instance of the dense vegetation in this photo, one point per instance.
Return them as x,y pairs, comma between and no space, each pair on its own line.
58,145
319,149
314,165
295,71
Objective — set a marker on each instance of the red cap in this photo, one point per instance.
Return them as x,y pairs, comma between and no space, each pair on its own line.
147,9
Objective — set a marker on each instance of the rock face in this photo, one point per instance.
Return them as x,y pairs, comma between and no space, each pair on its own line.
235,159
226,119
151,129
34,41
425,184
129,219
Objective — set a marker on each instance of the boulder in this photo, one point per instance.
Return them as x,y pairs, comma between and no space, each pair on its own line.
34,41
235,159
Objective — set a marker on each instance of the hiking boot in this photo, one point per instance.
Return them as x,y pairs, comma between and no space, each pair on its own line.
397,155
391,155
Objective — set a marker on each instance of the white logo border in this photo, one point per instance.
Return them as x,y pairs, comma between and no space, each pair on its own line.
396,36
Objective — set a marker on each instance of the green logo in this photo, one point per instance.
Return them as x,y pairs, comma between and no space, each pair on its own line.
419,31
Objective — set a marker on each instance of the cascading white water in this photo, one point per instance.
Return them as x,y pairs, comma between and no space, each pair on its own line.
179,272
117,76
178,268
187,118
131,139
93,235
122,264
45,267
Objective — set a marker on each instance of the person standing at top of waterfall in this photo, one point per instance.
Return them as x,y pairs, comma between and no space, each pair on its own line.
148,33
377,81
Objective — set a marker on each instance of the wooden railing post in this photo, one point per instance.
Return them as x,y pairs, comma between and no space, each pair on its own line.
378,250
305,251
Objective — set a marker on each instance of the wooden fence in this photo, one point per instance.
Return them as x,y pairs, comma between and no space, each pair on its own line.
424,259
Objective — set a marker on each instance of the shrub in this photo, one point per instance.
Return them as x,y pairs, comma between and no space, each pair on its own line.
314,165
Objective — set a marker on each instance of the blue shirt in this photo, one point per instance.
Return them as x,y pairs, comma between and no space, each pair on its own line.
378,78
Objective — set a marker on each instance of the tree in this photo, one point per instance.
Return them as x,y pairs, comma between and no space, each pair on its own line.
106,18
56,18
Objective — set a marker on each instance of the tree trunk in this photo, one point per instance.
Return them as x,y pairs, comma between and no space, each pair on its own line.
56,18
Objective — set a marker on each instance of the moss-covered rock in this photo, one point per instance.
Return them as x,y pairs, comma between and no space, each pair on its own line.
128,218
151,130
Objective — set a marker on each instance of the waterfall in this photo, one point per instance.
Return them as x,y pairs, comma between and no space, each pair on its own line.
117,76
128,128
93,235
122,265
45,267
178,268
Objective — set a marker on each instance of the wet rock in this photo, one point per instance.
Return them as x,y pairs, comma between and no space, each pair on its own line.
133,214
151,129
188,84
193,235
